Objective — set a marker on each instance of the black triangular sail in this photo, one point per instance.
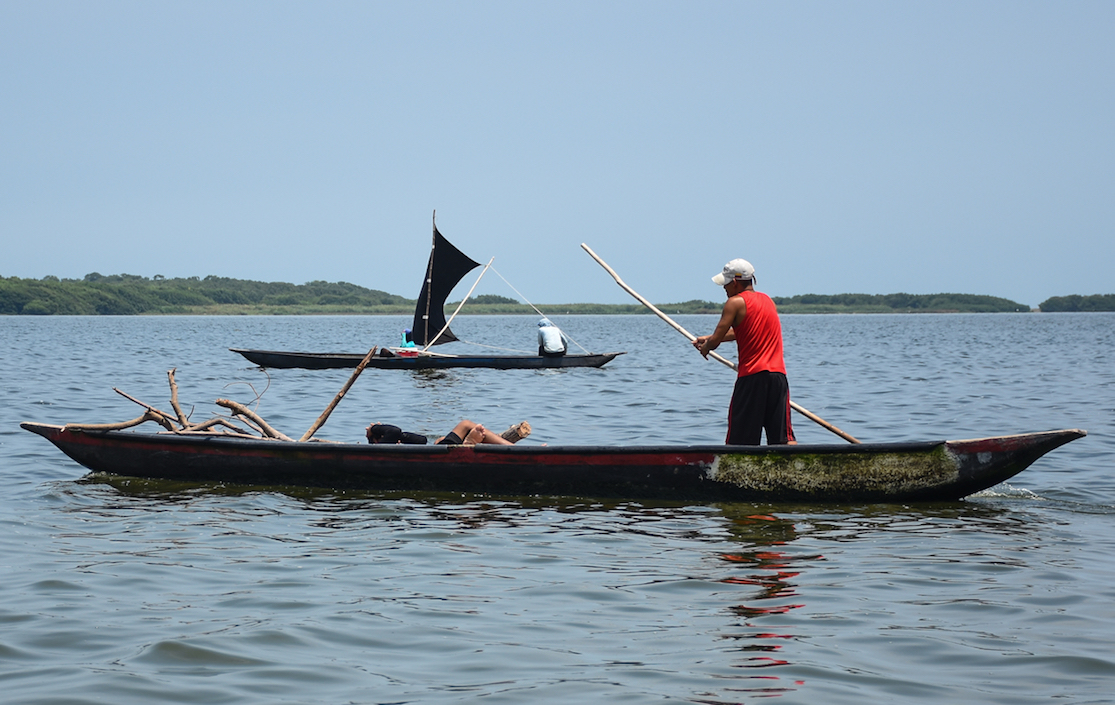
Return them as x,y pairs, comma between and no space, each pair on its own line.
447,266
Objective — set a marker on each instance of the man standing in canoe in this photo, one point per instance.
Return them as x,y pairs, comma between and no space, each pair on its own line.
761,399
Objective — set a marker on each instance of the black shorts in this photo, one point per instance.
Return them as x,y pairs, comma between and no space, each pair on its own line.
760,402
451,439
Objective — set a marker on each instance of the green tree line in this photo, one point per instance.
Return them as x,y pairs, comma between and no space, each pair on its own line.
129,294
1075,303
897,303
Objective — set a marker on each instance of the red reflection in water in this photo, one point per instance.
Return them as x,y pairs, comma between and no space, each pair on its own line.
766,662
768,573
753,612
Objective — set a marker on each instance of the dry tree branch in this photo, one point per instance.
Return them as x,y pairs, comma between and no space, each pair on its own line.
163,416
148,415
250,424
218,421
244,411
224,434
183,420
179,422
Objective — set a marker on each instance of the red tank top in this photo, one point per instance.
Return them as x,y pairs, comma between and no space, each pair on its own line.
759,336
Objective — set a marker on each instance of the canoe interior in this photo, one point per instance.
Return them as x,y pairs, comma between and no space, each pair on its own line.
277,359
883,472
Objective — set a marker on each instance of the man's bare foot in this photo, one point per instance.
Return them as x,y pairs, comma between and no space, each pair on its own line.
476,435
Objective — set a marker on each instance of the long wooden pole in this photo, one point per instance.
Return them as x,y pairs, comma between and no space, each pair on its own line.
807,414
337,399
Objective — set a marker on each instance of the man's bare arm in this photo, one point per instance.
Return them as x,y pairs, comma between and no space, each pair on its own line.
733,312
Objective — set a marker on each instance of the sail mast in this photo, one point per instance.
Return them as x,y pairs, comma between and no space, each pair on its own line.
426,288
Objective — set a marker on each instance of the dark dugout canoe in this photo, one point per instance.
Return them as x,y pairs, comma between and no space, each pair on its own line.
328,361
878,472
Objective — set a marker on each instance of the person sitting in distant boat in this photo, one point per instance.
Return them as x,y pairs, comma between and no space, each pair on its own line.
468,433
551,341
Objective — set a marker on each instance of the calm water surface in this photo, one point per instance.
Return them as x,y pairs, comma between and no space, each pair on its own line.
138,592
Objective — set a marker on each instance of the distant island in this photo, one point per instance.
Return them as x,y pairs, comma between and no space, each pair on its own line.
1076,303
129,295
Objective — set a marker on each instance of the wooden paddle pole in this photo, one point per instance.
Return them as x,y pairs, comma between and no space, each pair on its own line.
804,412
337,399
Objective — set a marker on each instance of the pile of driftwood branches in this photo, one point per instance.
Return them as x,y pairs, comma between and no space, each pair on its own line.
232,425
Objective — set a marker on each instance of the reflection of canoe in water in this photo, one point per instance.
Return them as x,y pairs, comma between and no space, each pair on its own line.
868,472
420,361
446,267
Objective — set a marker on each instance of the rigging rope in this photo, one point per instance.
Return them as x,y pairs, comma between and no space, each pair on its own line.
465,298
532,305
496,347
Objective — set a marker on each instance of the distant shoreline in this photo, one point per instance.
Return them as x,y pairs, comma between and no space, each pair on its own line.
127,294
547,309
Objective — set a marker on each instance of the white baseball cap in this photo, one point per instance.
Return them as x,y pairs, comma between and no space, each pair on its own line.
736,269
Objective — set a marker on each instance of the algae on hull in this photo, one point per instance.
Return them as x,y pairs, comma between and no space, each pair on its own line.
838,474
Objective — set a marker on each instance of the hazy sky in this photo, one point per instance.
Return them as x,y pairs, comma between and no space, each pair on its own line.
871,147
